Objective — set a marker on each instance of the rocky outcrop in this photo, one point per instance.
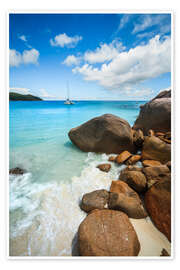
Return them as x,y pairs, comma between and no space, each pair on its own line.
107,233
112,158
17,170
97,199
104,167
156,114
158,204
135,179
155,149
156,173
107,133
125,199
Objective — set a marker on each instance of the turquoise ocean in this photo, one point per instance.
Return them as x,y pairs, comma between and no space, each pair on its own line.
44,202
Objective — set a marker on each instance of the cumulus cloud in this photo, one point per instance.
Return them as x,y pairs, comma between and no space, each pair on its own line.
15,58
63,40
26,57
72,60
131,67
105,52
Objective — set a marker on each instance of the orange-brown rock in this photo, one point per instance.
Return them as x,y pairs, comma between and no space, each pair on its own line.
121,158
107,233
158,204
156,173
134,159
135,179
168,164
104,167
151,163
159,134
112,158
125,199
97,199
156,149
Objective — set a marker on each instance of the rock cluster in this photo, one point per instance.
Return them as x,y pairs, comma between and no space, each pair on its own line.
143,187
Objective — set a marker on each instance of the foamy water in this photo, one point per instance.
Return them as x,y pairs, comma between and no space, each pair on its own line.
52,214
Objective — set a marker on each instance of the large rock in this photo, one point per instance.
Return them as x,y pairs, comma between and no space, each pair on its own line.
151,163
97,199
155,149
156,114
158,204
125,199
135,179
156,173
134,159
107,133
107,233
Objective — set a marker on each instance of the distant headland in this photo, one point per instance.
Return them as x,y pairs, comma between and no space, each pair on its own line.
16,96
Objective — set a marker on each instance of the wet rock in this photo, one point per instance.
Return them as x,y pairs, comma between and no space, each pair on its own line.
158,205
97,199
151,163
106,134
156,173
125,199
156,149
104,167
112,158
134,159
17,170
135,179
107,233
121,158
156,114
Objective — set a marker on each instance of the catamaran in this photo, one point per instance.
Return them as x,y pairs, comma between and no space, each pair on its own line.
68,101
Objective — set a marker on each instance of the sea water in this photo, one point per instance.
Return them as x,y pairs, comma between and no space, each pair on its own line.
44,202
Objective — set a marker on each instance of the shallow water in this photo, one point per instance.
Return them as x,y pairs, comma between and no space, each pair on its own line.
44,202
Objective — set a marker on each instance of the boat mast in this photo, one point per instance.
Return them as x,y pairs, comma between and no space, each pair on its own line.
67,90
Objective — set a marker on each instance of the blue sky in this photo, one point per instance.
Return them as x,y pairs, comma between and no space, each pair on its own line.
102,56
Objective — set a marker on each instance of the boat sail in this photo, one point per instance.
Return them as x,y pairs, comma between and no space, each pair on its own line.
68,101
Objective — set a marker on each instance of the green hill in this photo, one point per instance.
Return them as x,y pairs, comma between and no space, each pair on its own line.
15,97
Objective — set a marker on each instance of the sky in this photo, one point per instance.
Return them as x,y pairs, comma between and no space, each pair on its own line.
100,56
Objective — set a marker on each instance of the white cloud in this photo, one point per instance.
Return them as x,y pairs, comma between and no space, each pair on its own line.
105,52
27,57
124,20
19,90
129,68
151,20
15,58
63,40
23,38
72,60
30,56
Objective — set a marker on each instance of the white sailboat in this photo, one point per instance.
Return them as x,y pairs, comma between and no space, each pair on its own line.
68,101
